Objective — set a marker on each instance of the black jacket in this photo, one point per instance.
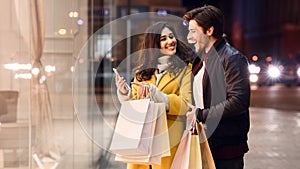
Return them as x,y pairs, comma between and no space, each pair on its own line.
226,95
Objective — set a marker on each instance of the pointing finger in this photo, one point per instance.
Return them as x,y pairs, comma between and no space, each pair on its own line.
189,104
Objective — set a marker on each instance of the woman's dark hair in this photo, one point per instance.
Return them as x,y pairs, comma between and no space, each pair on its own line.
206,17
150,52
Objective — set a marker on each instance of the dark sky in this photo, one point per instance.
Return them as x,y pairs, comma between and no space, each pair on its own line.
190,4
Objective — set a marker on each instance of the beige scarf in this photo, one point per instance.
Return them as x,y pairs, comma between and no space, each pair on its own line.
163,65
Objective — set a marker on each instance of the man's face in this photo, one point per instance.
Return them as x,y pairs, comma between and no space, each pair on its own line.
197,36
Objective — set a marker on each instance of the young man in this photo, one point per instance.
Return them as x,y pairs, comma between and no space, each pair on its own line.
221,88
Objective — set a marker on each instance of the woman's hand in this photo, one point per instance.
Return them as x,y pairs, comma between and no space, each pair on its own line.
143,89
146,90
121,85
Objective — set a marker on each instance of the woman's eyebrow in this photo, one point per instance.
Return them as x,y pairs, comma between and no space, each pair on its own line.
166,35
163,36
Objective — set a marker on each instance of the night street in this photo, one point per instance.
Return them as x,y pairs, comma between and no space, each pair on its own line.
274,135
274,138
60,98
277,97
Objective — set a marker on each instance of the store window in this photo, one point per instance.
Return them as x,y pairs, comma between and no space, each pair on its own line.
57,91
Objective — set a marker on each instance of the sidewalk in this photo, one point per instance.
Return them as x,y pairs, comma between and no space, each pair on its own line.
274,139
274,142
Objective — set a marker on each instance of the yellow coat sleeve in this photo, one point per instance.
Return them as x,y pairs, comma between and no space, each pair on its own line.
184,92
177,89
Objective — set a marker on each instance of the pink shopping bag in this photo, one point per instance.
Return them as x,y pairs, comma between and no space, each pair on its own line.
193,151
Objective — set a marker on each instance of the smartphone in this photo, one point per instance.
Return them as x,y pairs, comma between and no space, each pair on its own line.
117,73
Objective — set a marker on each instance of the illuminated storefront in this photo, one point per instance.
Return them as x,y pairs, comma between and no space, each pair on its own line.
56,78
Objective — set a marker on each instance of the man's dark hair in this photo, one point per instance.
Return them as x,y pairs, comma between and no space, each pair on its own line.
206,17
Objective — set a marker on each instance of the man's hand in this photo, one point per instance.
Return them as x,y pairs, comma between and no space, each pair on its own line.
191,115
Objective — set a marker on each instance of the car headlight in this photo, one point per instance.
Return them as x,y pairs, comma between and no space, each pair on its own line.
298,71
253,78
253,69
273,72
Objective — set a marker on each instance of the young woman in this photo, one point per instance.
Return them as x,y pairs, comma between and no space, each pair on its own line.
164,72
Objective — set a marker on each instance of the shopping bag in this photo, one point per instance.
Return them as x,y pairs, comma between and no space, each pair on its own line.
182,156
188,155
160,146
148,160
193,151
134,128
195,154
206,155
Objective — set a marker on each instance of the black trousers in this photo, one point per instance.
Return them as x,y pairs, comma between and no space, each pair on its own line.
235,163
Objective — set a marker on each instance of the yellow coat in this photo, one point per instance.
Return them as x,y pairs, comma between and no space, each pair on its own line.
177,89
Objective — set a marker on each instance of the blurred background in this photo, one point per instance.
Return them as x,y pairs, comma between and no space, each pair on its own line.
57,95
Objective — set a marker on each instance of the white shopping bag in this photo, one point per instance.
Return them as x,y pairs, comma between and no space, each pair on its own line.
134,129
160,146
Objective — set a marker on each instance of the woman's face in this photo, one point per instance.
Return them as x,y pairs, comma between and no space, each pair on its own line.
168,42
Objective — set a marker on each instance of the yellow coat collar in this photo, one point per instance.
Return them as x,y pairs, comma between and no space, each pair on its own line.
164,81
